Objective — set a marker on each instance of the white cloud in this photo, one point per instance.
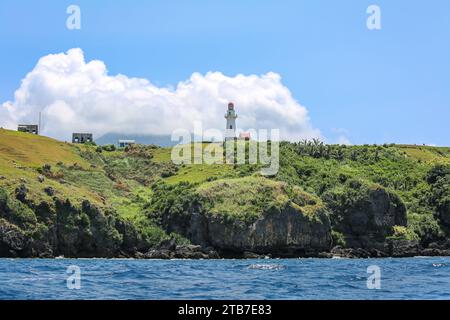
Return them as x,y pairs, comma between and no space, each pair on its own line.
343,140
74,95
342,136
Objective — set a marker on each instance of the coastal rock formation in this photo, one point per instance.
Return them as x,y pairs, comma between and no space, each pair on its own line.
283,233
295,224
58,199
365,214
13,241
63,229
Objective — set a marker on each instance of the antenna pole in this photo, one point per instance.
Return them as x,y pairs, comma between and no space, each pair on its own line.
40,121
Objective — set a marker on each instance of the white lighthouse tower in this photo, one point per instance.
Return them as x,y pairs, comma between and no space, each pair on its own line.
230,130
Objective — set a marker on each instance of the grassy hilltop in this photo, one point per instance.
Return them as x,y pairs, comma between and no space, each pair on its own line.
60,198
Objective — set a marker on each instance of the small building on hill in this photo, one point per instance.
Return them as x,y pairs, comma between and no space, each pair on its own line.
82,138
245,136
126,143
28,128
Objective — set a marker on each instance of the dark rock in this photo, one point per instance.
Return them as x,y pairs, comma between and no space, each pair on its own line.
132,240
190,252
169,244
365,215
21,192
13,241
139,255
353,253
288,233
159,254
181,252
251,255
49,191
431,252
325,255
402,248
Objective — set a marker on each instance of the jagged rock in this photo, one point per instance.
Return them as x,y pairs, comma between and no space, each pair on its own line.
158,254
167,250
169,244
402,248
189,252
353,253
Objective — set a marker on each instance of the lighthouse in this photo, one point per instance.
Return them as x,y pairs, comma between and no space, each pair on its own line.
230,130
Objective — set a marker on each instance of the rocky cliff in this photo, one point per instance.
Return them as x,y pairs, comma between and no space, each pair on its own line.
89,201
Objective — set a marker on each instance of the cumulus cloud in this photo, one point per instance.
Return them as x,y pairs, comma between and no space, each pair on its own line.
342,136
78,96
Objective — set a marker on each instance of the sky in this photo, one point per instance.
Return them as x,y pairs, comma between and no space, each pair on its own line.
310,68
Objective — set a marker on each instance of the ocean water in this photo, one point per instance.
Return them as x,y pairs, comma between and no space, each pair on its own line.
412,278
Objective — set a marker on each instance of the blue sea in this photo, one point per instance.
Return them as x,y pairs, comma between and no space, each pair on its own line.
411,278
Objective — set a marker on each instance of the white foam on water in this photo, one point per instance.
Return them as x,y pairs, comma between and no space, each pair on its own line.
266,267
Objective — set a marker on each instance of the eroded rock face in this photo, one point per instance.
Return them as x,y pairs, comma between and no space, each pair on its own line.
365,215
13,241
62,228
288,232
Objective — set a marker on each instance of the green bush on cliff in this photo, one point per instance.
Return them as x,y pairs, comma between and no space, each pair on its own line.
249,198
15,212
338,238
426,227
179,200
439,198
403,233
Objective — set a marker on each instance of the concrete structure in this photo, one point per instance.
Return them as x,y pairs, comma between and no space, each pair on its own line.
230,130
29,128
82,138
126,143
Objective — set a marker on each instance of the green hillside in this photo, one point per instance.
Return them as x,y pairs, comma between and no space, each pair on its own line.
43,180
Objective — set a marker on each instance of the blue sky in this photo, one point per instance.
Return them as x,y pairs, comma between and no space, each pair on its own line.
391,85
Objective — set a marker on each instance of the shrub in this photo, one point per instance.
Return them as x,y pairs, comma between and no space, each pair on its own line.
338,238
109,148
401,232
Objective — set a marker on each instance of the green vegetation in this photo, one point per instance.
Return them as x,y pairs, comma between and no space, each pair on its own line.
137,186
247,198
406,171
